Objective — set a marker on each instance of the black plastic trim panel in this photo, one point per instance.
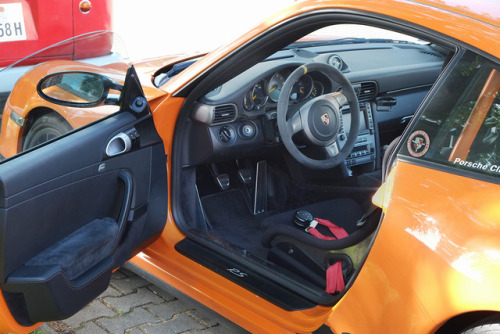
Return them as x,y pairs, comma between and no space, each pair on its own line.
243,276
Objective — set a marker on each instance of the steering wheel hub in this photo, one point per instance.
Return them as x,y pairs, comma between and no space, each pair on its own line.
323,122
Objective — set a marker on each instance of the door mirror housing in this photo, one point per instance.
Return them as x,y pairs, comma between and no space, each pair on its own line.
78,89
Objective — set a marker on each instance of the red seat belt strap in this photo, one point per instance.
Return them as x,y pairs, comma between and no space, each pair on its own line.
334,277
338,232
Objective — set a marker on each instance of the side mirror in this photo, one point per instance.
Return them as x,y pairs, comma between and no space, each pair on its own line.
77,89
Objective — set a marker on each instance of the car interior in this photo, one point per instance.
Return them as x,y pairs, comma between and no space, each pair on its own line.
264,150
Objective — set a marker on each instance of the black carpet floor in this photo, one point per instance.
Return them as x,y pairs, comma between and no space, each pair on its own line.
232,221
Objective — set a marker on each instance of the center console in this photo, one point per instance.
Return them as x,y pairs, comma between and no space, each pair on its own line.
364,148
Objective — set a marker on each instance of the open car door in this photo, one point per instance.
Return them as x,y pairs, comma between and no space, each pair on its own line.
74,209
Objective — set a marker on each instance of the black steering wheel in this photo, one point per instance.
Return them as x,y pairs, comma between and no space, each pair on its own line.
319,119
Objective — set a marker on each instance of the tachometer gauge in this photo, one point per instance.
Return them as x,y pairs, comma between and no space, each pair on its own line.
318,89
248,100
336,62
259,94
275,85
302,88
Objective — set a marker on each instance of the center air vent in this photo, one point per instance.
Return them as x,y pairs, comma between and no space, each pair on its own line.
367,91
224,113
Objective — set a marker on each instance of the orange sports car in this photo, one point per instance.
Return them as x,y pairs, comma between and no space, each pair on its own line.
335,168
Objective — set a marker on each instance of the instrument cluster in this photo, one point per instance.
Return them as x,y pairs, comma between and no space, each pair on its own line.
267,91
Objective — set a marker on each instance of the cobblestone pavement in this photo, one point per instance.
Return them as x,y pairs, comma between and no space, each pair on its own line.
133,305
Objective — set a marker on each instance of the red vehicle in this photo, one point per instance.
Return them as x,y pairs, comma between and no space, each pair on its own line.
24,29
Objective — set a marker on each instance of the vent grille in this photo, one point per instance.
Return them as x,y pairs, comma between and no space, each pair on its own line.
367,91
432,54
224,113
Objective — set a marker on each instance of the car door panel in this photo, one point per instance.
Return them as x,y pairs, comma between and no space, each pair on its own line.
69,215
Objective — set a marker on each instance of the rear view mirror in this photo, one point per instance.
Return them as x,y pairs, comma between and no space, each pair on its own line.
77,89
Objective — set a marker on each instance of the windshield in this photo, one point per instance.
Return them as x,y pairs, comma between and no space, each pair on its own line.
352,34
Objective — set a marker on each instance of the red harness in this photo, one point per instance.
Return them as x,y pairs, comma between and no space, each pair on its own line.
334,278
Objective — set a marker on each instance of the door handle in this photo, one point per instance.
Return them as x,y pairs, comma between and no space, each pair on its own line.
128,182
406,119
121,143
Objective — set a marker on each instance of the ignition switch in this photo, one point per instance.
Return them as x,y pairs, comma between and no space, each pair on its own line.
247,130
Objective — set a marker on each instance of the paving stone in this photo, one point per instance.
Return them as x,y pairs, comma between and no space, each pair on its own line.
167,310
220,329
94,310
125,272
45,329
60,327
205,316
110,291
144,309
119,274
129,284
230,327
123,304
128,321
160,292
91,328
180,323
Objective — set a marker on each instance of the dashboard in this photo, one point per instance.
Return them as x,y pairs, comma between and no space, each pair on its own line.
390,80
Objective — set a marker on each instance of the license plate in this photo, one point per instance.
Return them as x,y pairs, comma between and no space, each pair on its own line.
12,22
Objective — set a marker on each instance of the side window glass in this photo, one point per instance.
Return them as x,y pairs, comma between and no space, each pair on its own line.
460,126
41,100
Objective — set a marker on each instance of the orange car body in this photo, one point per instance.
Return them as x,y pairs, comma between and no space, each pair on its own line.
11,135
432,260
436,255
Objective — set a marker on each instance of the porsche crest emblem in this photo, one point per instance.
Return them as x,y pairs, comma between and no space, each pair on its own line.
418,143
325,119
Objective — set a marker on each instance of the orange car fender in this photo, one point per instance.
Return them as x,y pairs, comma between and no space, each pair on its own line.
10,143
11,136
435,256
9,324
24,99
